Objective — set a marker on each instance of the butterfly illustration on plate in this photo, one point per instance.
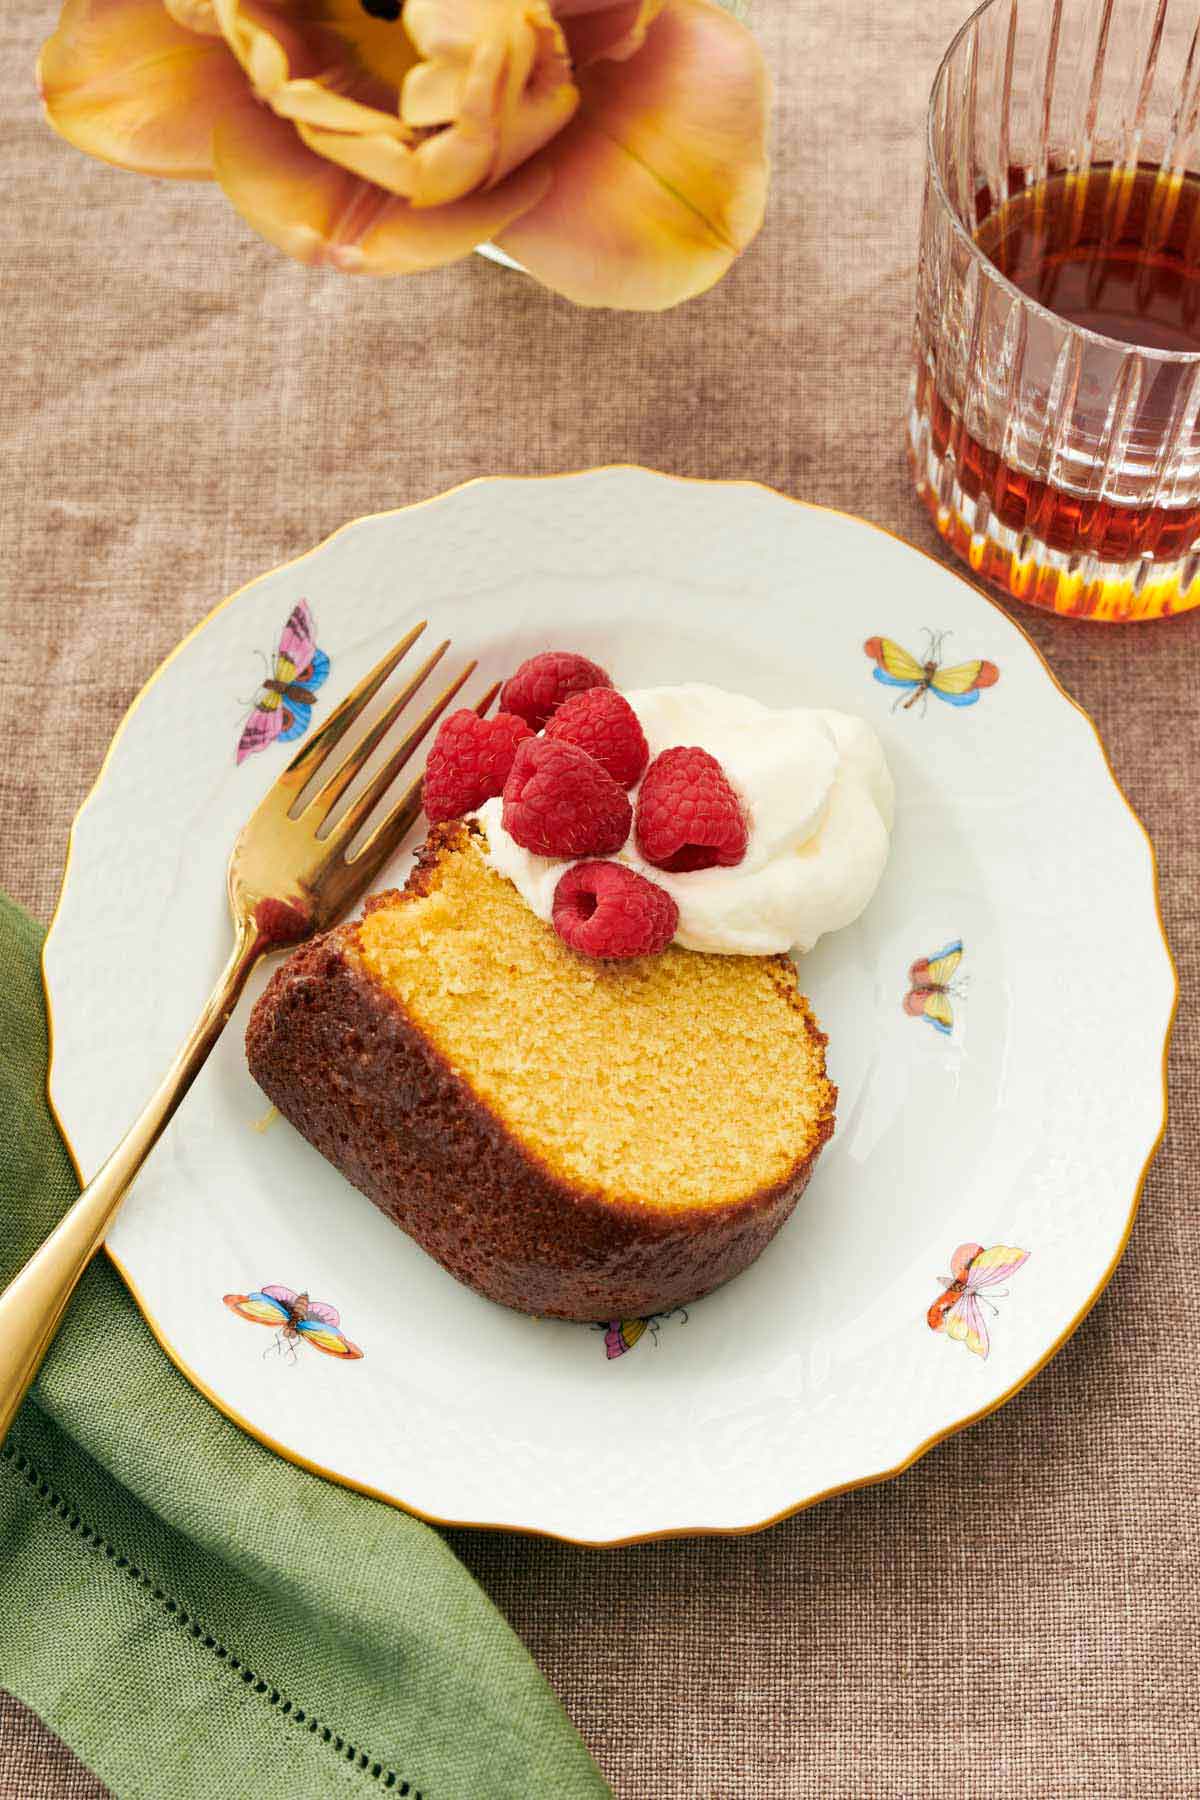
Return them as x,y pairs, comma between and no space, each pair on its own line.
283,705
959,685
958,1310
296,1319
933,985
620,1335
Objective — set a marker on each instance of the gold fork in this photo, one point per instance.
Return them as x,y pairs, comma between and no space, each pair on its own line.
286,881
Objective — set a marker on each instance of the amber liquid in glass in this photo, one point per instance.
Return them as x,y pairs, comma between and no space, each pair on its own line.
1118,254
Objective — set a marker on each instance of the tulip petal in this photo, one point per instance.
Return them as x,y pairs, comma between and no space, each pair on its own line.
433,94
496,78
195,15
329,110
320,213
660,181
271,48
612,28
335,43
122,81
378,43
373,156
317,68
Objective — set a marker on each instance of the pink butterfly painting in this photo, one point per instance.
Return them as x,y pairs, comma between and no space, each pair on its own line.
295,1319
975,1274
283,705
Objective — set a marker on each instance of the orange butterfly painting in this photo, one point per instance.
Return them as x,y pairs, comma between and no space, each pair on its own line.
295,1319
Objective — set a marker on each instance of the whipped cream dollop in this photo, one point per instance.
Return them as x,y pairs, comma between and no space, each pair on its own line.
818,797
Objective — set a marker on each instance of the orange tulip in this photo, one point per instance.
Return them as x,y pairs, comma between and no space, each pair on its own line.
614,147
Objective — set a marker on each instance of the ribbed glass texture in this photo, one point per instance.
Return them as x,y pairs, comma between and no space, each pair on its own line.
1062,463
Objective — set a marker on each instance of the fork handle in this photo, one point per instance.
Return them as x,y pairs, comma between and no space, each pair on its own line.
33,1303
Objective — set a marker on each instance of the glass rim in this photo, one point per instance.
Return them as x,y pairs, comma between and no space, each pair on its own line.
1181,358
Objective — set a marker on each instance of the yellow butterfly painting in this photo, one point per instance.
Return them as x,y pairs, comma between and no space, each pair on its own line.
620,1335
959,685
932,979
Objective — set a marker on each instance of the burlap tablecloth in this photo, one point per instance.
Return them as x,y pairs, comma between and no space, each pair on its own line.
184,409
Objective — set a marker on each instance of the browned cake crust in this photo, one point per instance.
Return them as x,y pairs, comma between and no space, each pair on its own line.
339,1058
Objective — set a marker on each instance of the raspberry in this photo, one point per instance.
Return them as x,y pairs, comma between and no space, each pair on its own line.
688,816
470,761
605,909
558,801
541,684
603,723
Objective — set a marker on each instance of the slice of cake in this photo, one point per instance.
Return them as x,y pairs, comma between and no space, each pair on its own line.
578,1138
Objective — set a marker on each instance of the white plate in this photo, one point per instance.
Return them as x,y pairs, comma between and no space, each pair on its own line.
1030,1125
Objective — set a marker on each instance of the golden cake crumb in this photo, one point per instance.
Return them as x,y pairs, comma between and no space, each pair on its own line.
676,1081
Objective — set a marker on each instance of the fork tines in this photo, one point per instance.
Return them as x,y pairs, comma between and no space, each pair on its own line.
314,756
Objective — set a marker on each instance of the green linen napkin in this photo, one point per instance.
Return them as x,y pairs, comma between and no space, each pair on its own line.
197,1617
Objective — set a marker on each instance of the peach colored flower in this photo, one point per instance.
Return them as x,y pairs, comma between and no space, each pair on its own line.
614,147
